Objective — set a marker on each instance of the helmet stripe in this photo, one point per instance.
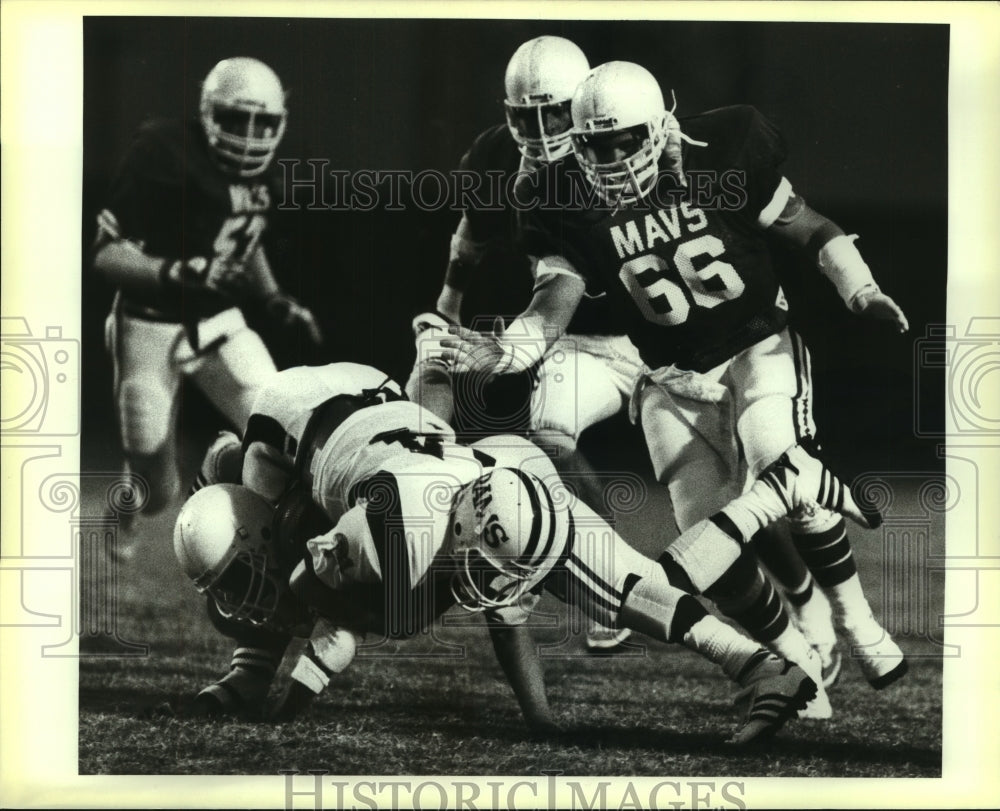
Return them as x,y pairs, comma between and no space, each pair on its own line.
553,520
536,517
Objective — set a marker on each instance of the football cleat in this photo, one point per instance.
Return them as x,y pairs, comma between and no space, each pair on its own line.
239,691
879,657
770,666
803,483
602,641
777,693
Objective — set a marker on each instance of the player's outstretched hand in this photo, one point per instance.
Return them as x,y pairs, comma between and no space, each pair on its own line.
876,304
804,483
470,351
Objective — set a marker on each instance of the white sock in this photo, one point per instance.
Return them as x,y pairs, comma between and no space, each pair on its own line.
720,644
757,508
849,603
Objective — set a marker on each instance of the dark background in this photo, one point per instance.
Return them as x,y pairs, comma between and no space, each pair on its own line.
863,108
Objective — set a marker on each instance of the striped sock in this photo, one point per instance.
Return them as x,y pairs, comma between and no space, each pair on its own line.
827,554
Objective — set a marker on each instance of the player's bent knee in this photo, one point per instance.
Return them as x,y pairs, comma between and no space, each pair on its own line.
146,413
705,553
821,520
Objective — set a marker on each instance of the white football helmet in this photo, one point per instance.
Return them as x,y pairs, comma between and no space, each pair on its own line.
540,80
223,540
504,535
243,113
620,128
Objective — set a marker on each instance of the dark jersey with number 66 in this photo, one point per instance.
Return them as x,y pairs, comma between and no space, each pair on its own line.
172,199
688,269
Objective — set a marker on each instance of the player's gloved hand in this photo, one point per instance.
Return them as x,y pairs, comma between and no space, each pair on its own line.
804,483
186,273
287,312
873,303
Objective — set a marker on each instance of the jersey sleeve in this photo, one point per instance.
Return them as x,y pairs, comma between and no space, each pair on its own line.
761,156
485,166
542,235
146,184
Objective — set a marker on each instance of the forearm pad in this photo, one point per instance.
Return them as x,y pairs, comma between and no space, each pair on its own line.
840,261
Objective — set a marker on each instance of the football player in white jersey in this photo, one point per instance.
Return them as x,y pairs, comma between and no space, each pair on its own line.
588,374
426,523
180,239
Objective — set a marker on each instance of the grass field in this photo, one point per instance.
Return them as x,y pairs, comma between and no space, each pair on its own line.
440,705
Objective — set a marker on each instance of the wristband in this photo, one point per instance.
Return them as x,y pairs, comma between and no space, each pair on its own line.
841,263
309,673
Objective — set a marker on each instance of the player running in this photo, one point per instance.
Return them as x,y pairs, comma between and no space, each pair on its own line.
181,239
425,523
587,375
670,219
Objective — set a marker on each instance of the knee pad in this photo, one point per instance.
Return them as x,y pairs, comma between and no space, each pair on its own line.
766,430
146,413
705,553
661,611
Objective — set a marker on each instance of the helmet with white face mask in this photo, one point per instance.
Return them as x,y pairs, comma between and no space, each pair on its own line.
540,79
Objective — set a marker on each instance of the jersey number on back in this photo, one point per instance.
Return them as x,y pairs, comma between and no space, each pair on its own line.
664,301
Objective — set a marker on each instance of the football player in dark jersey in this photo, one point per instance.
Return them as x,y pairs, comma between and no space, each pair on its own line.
396,515
671,223
587,374
180,238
